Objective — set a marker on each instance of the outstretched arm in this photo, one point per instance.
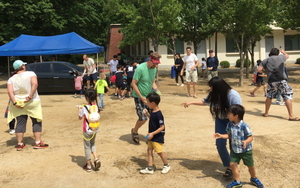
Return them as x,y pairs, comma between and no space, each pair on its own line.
187,104
218,135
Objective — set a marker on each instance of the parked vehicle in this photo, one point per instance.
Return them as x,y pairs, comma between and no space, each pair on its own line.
54,76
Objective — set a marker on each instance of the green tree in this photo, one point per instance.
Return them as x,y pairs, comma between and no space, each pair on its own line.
246,20
289,15
151,20
197,18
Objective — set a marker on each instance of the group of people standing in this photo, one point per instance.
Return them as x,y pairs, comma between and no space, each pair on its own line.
224,103
188,66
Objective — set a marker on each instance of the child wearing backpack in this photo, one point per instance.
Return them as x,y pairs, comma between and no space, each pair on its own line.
100,86
90,115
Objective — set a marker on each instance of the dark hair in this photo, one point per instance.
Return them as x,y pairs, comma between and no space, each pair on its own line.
18,69
237,109
90,95
188,48
153,97
115,56
274,51
119,66
177,54
150,52
258,62
203,59
218,96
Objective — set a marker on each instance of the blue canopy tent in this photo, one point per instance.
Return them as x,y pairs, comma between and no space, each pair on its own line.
29,45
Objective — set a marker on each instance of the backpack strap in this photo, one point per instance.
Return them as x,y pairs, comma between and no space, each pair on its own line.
86,119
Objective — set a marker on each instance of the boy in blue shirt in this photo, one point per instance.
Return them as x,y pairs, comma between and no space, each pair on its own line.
241,145
155,134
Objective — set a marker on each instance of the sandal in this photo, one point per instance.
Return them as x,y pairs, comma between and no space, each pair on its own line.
294,119
135,137
228,173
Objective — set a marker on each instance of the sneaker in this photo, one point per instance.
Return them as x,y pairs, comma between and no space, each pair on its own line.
234,184
86,168
256,182
182,85
97,164
282,104
166,169
252,94
20,146
177,84
276,102
146,171
40,145
12,131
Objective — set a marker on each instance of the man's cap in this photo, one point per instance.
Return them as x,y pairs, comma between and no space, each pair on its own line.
154,60
210,51
18,63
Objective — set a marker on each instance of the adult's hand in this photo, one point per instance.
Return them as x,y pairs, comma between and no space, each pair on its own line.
185,104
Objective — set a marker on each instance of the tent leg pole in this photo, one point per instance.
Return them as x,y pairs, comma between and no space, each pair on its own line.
8,68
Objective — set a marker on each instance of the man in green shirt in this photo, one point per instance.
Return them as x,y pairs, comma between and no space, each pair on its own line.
143,83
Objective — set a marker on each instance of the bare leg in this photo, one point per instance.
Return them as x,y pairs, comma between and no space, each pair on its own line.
88,84
138,124
20,137
150,156
252,171
267,106
255,89
37,136
194,88
235,171
188,86
163,158
288,104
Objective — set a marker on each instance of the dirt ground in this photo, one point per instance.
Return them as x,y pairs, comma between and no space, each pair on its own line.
190,147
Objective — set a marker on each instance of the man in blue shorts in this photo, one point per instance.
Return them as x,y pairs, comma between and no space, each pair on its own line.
277,81
90,72
142,83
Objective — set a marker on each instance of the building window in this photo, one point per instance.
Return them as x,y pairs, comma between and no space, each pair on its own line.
179,46
230,45
291,42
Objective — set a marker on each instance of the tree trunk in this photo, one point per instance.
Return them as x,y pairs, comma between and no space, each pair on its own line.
216,44
242,61
247,60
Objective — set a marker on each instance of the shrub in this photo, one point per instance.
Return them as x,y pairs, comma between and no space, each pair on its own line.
238,63
298,61
225,64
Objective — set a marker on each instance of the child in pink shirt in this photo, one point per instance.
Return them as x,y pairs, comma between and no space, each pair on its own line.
78,84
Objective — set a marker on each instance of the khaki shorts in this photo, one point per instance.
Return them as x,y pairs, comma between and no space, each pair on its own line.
191,76
156,146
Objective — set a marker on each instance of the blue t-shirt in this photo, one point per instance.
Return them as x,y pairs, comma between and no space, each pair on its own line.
156,120
239,133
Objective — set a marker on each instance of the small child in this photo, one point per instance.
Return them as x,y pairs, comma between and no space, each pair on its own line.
203,65
156,133
99,87
259,81
88,134
119,82
241,145
78,84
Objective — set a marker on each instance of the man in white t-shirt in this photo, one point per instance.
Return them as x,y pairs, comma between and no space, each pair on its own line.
190,65
90,72
112,65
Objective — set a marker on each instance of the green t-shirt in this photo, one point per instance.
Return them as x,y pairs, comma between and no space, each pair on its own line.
145,78
100,86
